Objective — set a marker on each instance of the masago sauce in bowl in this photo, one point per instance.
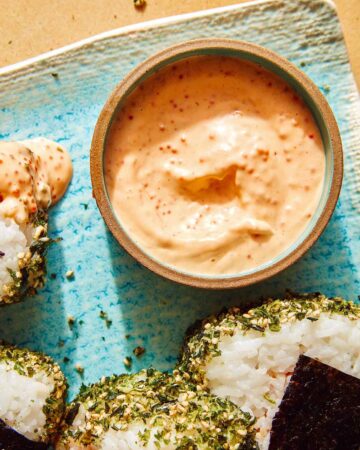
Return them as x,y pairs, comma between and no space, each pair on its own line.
215,167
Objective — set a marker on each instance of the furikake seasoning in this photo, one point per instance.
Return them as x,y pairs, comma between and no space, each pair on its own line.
168,409
203,344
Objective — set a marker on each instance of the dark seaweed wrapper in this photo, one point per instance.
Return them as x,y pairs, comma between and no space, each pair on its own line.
12,440
319,411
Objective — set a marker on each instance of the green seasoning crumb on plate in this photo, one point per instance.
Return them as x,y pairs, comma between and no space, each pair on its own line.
249,357
153,410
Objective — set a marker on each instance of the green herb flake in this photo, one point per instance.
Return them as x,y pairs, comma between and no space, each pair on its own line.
269,399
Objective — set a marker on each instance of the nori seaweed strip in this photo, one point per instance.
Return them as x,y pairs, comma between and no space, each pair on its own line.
12,440
319,411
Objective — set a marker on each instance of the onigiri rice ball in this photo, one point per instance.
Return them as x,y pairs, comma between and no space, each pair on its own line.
249,357
26,193
32,398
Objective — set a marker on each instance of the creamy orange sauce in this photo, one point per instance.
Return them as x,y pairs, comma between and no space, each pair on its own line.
33,174
214,165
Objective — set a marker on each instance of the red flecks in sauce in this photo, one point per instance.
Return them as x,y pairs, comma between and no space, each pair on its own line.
31,176
234,188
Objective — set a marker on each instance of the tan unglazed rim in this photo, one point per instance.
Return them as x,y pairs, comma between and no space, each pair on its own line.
193,48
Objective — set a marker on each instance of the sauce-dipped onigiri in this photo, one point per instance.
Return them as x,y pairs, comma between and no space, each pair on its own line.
33,175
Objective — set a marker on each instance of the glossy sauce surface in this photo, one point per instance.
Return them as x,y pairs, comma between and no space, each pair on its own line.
33,174
214,165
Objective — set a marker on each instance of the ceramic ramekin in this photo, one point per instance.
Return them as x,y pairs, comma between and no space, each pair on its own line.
299,82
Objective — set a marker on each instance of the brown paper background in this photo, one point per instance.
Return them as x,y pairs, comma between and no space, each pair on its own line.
31,27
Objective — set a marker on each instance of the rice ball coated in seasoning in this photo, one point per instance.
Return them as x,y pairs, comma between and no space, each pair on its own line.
32,398
249,357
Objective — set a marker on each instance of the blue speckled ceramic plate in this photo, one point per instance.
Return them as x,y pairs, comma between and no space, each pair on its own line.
152,311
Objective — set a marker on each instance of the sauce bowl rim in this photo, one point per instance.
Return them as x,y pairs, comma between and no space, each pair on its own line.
182,51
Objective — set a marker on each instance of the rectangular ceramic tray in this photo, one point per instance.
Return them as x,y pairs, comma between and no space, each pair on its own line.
59,95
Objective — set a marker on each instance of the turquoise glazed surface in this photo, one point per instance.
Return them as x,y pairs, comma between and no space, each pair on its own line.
60,97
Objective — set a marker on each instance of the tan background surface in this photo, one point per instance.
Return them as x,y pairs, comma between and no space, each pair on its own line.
31,27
